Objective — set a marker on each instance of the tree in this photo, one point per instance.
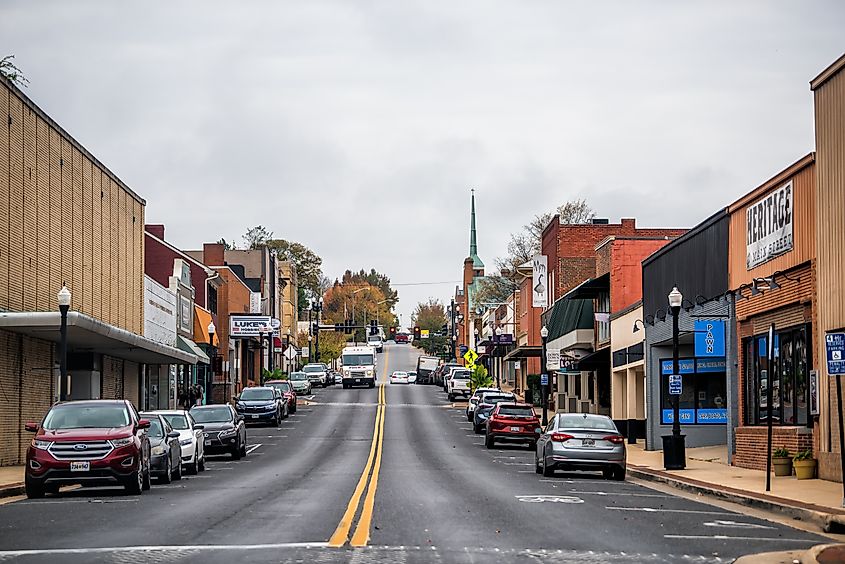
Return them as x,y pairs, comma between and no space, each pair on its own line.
226,245
494,289
479,378
373,278
12,73
358,303
307,263
430,315
257,236
331,345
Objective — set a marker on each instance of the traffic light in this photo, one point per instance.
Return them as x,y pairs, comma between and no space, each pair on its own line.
416,333
315,328
339,327
348,329
393,332
373,327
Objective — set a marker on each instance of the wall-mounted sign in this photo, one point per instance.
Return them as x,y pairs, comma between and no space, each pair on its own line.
709,338
255,302
539,281
675,385
835,346
768,226
814,392
249,325
503,339
552,359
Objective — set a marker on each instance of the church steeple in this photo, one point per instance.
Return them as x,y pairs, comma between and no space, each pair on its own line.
473,242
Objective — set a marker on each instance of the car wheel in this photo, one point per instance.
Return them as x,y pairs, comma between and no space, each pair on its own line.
548,471
537,468
294,409
167,477
193,468
469,417
619,473
243,449
201,463
33,489
147,481
236,453
52,488
489,441
135,483
477,429
451,397
177,472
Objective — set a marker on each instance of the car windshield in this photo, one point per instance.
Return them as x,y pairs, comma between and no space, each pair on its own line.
495,399
357,359
375,339
460,375
313,368
70,416
282,386
516,411
585,421
178,422
216,414
257,394
155,431
299,376
401,374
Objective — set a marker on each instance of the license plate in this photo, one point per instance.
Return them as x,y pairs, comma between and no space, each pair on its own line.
207,443
588,442
254,416
80,466
516,429
357,380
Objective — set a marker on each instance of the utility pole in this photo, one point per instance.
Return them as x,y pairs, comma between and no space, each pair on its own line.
452,328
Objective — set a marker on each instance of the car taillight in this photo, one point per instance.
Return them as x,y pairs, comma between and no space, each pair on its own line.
615,439
561,437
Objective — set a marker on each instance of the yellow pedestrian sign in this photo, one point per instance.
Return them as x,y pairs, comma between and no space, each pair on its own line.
470,357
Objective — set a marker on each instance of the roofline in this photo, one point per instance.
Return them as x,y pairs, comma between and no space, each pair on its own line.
611,238
182,253
76,144
719,215
828,73
226,267
772,182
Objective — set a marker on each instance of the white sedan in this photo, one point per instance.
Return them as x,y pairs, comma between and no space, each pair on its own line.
191,437
399,377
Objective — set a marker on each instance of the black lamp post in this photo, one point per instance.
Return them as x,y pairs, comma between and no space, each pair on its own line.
498,333
209,380
64,305
544,336
260,357
674,455
287,347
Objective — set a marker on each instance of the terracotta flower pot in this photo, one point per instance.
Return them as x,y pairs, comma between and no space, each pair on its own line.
805,469
783,465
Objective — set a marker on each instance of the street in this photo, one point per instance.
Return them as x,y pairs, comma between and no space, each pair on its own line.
435,493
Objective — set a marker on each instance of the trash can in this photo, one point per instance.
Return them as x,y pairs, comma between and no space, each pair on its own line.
529,396
674,455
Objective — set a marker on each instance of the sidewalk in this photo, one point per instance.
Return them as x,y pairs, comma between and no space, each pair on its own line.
708,473
11,481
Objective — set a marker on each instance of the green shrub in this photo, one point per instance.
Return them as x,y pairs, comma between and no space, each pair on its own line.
781,452
806,454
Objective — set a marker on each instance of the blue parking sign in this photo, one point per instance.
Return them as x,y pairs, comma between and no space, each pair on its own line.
835,345
675,385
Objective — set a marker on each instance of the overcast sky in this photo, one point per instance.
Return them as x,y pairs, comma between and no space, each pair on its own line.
358,128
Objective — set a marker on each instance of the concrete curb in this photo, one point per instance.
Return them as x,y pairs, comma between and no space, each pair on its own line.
9,490
829,522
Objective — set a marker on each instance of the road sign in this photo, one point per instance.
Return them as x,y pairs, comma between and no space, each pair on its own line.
424,334
675,386
470,356
835,345
544,379
305,351
552,359
290,353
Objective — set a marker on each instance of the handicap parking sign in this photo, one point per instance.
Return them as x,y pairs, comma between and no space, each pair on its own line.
835,345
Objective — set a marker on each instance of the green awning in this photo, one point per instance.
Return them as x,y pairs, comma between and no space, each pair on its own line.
189,346
568,315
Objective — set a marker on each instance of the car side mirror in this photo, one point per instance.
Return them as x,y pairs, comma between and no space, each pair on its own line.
144,424
198,427
173,435
236,398
31,426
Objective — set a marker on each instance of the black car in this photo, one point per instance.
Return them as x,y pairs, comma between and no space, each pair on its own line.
225,431
260,405
165,449
486,403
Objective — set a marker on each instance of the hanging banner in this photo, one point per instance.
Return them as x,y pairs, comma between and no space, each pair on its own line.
539,281
768,226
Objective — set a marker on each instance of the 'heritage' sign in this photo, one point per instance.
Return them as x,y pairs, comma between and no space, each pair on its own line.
768,227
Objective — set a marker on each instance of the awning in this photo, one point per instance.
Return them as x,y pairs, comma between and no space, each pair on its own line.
191,347
525,351
201,320
590,288
86,334
568,315
594,360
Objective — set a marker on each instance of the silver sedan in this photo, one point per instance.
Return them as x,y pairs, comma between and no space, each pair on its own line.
581,441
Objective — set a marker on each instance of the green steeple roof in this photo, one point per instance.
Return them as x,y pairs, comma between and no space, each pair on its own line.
473,243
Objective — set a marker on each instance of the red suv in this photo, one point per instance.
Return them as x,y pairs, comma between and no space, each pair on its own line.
287,391
513,422
91,442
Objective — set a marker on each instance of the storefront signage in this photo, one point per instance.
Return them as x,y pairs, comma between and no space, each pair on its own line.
539,281
255,302
685,415
703,417
835,345
768,226
249,325
691,366
503,339
552,359
710,338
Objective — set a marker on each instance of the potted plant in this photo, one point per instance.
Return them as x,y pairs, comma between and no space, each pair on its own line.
805,465
782,461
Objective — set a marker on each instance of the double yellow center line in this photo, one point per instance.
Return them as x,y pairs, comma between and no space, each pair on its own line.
361,536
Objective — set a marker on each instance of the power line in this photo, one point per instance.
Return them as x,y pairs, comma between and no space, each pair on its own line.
424,283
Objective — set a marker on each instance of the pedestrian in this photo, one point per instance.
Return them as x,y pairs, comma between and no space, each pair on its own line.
192,396
200,393
183,398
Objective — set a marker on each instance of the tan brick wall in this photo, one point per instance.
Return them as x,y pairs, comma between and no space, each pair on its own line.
131,383
112,378
751,444
4,203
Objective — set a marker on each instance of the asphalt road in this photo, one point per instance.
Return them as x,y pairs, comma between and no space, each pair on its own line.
392,474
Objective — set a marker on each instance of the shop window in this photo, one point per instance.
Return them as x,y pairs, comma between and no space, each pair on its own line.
603,327
703,399
788,377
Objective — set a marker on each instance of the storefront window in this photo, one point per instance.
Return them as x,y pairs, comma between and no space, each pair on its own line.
788,377
703,399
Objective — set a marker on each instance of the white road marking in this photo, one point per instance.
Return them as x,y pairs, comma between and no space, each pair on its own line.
736,525
87,500
663,510
168,548
620,493
548,499
559,481
252,448
726,537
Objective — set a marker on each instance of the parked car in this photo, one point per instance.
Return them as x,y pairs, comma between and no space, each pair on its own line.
92,442
458,384
286,388
300,382
402,338
581,441
376,342
473,400
512,422
399,377
191,438
412,377
442,371
485,407
225,431
260,404
317,373
165,450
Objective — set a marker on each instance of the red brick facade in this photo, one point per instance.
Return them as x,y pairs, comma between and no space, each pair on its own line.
158,262
749,453
622,257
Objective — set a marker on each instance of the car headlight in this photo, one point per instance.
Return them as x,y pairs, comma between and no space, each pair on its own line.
186,442
157,450
369,372
227,433
117,443
269,408
40,445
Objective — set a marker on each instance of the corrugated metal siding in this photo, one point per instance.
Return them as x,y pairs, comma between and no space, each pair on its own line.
697,263
803,225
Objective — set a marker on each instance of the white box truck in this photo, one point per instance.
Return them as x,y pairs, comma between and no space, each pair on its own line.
358,366
426,365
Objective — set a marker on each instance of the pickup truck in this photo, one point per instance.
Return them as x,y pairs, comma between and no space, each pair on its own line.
458,384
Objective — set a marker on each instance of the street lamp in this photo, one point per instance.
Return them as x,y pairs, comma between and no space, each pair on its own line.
287,347
209,381
64,304
544,335
674,456
260,356
498,333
